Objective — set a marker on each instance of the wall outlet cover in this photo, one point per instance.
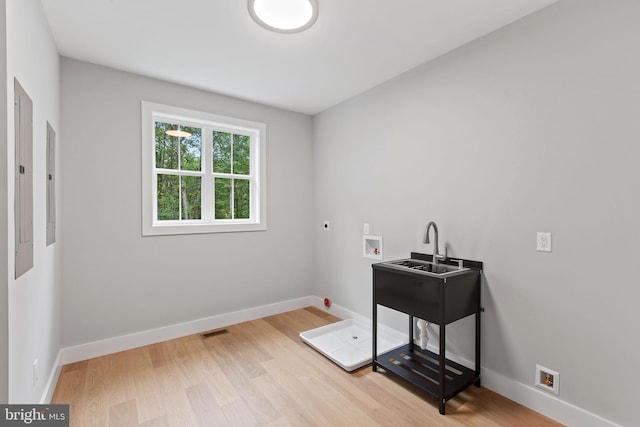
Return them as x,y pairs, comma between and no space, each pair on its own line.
544,242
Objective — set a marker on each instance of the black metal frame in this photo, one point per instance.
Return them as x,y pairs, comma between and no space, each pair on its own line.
437,300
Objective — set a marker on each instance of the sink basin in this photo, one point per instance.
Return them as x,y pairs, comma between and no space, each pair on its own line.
425,267
441,293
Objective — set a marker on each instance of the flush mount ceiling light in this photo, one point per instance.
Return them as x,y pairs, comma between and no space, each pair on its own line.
178,132
284,16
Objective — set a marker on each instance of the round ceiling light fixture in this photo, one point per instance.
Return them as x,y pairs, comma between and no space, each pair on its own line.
284,16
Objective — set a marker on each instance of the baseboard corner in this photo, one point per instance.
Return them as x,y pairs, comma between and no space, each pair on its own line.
52,380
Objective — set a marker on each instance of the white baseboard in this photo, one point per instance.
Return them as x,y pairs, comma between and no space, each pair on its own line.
337,310
542,402
90,350
138,339
50,386
344,313
531,397
528,396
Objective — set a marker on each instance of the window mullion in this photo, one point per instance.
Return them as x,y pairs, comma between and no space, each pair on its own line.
207,178
179,176
232,176
253,182
178,172
255,175
154,195
232,197
180,196
179,151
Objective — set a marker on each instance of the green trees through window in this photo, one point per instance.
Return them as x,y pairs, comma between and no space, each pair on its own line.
179,194
201,172
231,157
180,173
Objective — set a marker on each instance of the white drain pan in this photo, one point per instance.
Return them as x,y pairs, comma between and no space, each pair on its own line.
348,342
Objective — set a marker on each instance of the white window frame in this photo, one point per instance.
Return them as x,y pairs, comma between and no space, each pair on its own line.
152,112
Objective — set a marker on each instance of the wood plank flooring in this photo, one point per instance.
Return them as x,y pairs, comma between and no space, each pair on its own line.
259,373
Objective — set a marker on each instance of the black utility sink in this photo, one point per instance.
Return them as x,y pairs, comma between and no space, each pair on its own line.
420,288
440,293
425,267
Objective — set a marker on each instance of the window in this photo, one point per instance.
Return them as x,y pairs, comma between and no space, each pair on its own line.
202,173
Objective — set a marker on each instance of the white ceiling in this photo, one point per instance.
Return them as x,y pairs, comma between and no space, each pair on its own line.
215,45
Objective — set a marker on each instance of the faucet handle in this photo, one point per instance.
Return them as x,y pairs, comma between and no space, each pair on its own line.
459,261
442,257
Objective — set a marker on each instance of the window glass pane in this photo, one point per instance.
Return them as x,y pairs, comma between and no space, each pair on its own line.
166,147
241,200
241,153
223,198
190,141
221,152
190,149
168,197
191,197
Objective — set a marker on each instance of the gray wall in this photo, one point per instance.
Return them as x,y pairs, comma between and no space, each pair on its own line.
4,225
117,282
532,128
34,305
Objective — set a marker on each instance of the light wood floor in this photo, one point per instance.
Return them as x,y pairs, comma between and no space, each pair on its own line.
259,373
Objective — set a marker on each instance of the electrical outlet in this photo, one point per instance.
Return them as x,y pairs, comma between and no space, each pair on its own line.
544,242
547,379
365,229
35,372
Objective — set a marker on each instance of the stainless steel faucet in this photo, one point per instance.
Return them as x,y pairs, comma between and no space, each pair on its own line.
436,251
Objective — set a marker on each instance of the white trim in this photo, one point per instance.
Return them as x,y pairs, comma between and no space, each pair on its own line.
542,402
152,336
535,399
52,381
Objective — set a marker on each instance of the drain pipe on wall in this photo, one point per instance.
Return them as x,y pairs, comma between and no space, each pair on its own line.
423,333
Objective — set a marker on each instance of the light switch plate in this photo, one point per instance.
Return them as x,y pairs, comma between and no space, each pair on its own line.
544,242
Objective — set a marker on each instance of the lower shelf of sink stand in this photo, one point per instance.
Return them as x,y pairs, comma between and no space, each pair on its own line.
422,369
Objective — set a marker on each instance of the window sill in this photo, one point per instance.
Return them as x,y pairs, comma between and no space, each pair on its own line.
174,229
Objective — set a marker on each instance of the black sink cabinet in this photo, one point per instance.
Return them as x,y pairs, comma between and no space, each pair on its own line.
438,300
